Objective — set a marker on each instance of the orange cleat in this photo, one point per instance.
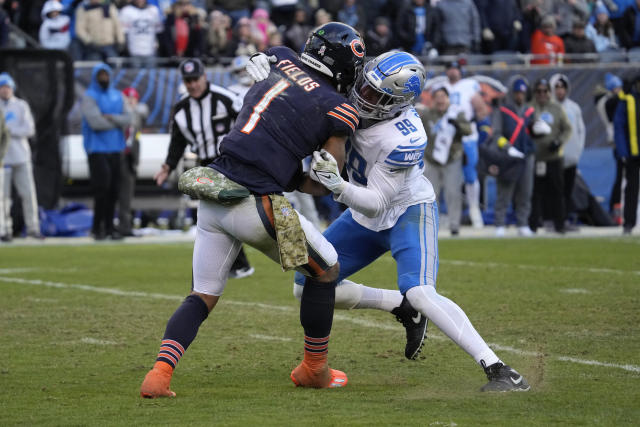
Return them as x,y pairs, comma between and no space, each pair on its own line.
156,382
323,377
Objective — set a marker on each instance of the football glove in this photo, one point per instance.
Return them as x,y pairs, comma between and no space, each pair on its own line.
259,66
324,169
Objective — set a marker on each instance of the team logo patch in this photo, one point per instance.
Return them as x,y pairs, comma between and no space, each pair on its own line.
413,85
547,117
189,67
357,47
285,211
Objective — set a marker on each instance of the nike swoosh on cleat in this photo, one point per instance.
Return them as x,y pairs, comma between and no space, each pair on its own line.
417,318
516,381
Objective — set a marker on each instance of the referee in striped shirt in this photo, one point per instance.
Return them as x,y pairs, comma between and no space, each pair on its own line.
201,120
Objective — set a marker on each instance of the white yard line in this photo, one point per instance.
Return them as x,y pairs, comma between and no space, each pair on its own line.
536,267
94,341
338,316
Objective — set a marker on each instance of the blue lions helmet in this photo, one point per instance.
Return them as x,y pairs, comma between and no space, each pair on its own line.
388,83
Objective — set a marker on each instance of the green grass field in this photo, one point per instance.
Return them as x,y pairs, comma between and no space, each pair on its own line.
80,327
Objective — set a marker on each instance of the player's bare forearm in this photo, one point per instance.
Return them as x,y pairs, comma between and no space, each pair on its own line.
312,187
335,145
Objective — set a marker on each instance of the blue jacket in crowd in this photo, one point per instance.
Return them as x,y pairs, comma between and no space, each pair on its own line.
102,135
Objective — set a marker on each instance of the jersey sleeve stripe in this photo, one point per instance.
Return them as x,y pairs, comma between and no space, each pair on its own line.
348,122
343,111
350,108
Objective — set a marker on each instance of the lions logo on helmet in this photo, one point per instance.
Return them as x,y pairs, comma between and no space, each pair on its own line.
389,83
337,51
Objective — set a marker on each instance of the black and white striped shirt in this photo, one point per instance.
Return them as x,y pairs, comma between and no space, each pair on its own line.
202,124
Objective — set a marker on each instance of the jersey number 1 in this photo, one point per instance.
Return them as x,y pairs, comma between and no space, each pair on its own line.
262,105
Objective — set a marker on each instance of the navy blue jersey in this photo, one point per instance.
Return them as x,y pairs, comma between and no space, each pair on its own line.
284,119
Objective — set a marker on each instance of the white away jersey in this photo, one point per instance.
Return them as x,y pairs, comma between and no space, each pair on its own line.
395,147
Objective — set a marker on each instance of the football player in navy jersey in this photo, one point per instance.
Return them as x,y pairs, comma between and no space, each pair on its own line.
298,109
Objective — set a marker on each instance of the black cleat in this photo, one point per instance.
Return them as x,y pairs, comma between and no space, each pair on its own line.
416,326
503,378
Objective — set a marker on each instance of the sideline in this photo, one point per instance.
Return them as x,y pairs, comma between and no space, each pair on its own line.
342,317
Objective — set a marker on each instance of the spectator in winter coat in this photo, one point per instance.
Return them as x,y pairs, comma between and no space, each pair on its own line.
218,34
353,14
76,50
630,30
18,169
235,9
184,31
500,31
445,125
54,31
141,22
457,27
297,33
577,42
606,104
601,31
321,17
105,115
379,38
616,9
262,28
511,123
568,11
551,131
572,150
243,42
99,30
415,26
627,134
544,41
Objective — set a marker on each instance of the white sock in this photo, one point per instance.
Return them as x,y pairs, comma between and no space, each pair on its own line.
354,295
451,320
382,299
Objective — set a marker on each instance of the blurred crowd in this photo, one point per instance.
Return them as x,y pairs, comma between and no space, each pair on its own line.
211,29
530,141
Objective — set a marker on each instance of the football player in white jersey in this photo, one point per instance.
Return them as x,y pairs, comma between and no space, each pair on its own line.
465,93
392,207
